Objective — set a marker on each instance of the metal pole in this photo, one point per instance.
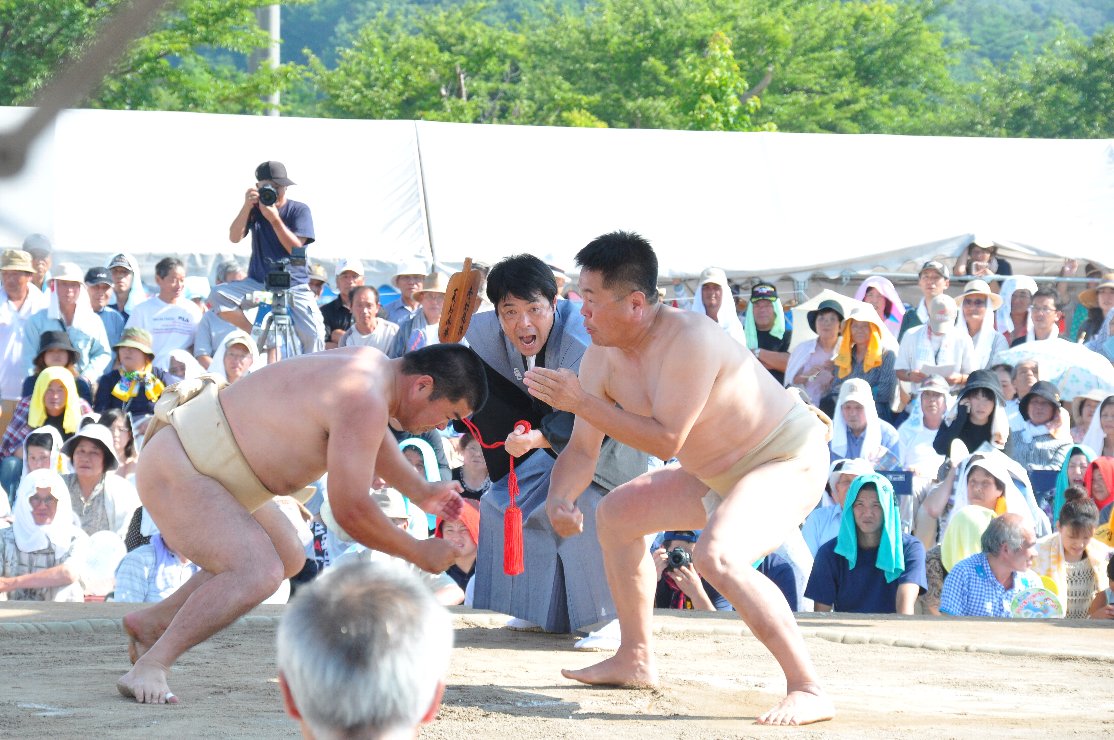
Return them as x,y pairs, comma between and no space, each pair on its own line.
274,22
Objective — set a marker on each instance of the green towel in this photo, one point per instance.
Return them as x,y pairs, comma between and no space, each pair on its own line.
1062,478
777,331
891,551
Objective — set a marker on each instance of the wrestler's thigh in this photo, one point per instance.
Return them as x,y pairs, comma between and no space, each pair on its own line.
760,511
197,516
283,536
667,498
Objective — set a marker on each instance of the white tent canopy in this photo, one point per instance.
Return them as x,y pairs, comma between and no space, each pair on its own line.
768,204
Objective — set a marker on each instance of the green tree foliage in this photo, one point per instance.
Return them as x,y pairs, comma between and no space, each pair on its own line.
170,68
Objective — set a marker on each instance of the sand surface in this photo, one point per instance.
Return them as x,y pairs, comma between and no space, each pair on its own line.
893,678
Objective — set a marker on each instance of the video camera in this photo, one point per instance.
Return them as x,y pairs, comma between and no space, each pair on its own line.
278,278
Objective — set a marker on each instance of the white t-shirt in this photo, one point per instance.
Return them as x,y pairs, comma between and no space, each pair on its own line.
382,338
172,325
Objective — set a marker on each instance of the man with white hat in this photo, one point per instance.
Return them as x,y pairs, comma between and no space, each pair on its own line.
337,314
858,432
714,301
409,280
19,299
937,346
70,310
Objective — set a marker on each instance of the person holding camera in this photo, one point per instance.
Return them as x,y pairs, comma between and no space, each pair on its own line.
679,585
280,231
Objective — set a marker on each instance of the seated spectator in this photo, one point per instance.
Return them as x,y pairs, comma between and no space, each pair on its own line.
1083,408
179,365
42,450
1005,380
933,280
984,479
56,350
367,329
1102,606
984,584
100,500
871,567
979,416
978,304
1103,341
858,432
170,318
472,474
1013,319
940,343
71,311
421,330
1044,316
53,402
961,539
1023,377
236,357
1043,442
363,652
863,355
98,283
43,550
464,535
151,572
1099,300
679,585
822,523
766,334
136,384
1099,484
212,329
1072,473
811,365
714,300
123,443
1100,435
917,434
881,293
391,502
1074,561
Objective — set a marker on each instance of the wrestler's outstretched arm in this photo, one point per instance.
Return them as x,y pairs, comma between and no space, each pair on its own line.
350,477
440,498
681,389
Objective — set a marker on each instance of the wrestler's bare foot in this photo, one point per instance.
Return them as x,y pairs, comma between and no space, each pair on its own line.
800,708
618,670
142,633
146,683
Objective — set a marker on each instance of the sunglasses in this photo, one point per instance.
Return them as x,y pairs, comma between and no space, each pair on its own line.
974,301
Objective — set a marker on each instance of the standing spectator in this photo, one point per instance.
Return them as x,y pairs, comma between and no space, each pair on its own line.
276,231
170,317
212,329
368,330
317,280
409,280
41,251
1074,561
70,311
101,501
1043,440
858,432
871,567
98,282
766,334
979,304
881,293
126,285
985,584
44,550
337,313
19,299
390,637
933,279
811,365
136,385
862,354
1013,318
928,348
714,300
236,357
421,330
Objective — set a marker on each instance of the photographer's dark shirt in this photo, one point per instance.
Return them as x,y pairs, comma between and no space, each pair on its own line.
266,248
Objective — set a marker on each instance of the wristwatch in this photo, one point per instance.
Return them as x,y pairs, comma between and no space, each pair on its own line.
757,352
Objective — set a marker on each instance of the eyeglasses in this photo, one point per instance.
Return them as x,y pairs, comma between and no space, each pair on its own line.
974,302
42,501
1041,309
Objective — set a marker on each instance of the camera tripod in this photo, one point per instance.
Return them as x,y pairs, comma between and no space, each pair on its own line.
277,338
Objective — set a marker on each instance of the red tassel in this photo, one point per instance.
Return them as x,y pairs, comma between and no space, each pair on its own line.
513,548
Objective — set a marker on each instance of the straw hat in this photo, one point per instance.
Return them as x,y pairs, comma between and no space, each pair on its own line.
435,283
980,287
1090,297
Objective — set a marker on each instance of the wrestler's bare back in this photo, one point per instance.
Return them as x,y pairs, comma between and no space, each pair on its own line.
282,420
738,408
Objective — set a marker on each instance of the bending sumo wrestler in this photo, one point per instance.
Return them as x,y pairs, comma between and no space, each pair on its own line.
668,382
217,456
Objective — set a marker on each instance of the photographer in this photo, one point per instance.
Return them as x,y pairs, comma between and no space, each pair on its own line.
280,230
679,585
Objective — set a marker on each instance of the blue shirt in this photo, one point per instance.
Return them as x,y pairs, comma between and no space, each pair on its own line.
822,525
891,440
971,590
266,248
113,322
863,589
